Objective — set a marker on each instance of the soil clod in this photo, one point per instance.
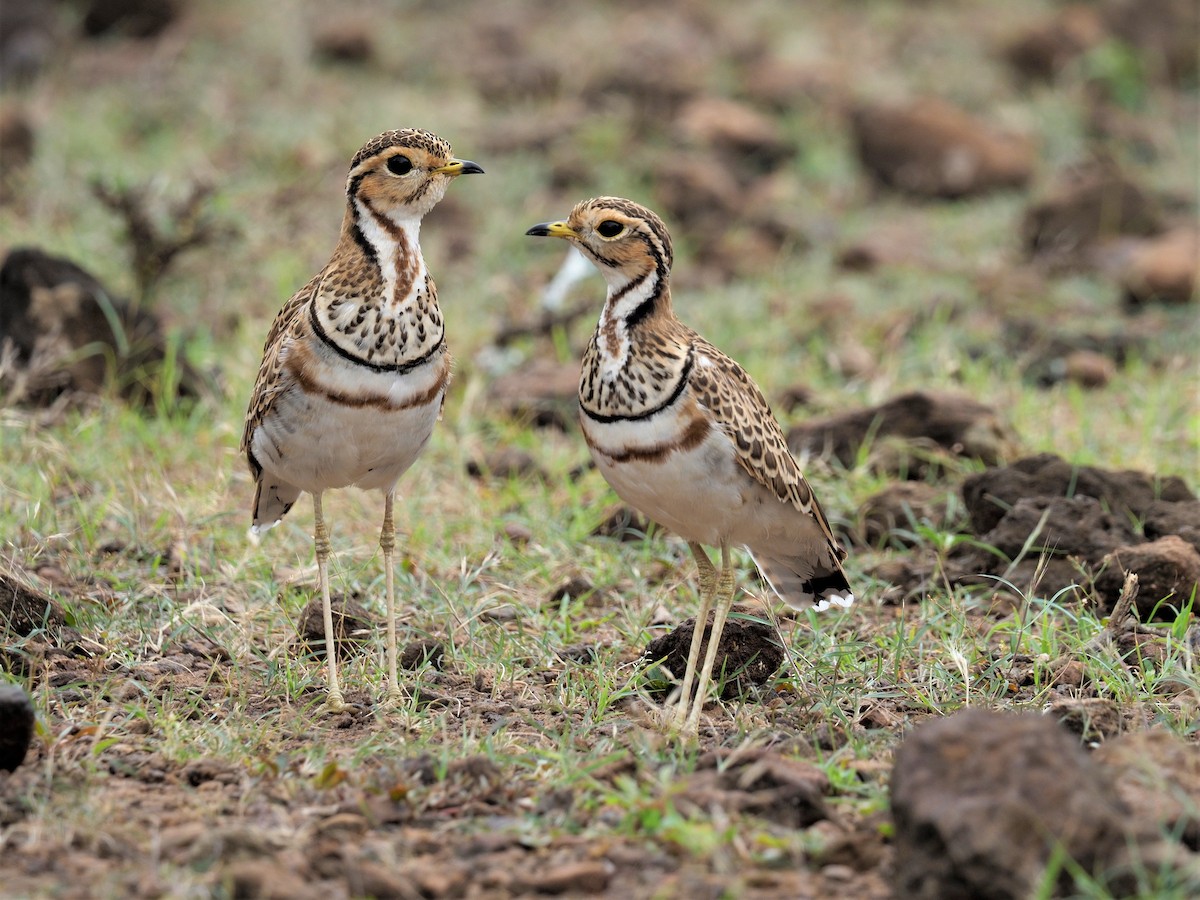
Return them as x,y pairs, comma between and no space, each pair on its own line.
981,800
352,627
16,725
748,656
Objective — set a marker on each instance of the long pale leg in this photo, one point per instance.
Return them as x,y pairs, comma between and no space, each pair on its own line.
387,542
708,586
336,701
723,600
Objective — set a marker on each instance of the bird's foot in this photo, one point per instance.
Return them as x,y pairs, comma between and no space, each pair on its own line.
334,704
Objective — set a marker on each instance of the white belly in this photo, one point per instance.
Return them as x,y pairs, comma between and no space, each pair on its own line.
701,494
317,444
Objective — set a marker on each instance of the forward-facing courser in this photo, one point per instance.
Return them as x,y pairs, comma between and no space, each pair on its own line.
355,368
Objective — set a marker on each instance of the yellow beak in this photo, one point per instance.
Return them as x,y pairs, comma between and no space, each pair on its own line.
552,229
459,167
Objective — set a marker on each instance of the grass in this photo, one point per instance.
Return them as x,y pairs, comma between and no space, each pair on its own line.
143,515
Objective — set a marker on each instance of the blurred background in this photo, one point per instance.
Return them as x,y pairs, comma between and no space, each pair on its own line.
861,164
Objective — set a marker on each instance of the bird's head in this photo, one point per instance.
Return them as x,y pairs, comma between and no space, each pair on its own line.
403,174
624,240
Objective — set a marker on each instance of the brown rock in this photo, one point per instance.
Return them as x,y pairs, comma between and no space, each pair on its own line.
932,149
1168,571
1163,269
954,422
1086,206
749,653
980,800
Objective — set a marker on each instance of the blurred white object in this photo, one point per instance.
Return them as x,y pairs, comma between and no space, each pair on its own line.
572,271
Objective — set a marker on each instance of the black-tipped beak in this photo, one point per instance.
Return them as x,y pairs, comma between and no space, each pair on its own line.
460,167
552,229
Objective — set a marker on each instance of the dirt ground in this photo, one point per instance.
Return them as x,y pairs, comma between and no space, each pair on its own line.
184,759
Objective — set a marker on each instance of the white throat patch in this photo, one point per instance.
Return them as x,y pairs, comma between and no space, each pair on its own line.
622,300
385,247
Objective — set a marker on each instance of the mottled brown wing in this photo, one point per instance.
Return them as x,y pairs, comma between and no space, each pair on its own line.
741,411
266,386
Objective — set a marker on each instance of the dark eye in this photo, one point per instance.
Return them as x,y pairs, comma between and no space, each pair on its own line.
609,228
399,164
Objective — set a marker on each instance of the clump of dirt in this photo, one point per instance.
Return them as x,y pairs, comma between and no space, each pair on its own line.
133,18
1045,48
894,514
28,35
344,40
352,627
1089,357
506,462
742,136
982,800
417,653
1047,525
624,523
1180,517
1163,269
1091,719
930,148
1165,34
748,656
16,726
1077,526
24,608
70,334
991,494
1158,777
1168,571
922,421
17,142
759,781
542,392
1087,206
